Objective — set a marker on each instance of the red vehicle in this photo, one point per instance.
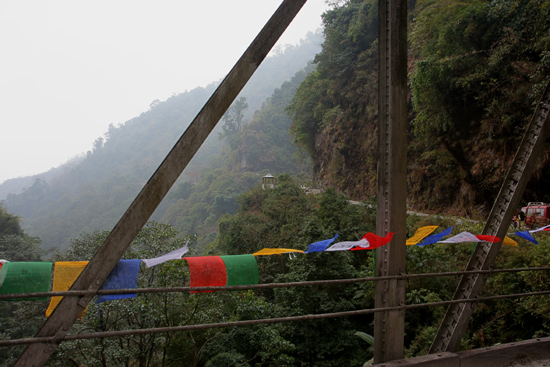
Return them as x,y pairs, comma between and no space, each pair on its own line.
537,214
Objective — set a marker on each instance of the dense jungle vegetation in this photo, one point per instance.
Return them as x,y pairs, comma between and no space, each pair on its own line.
476,70
280,217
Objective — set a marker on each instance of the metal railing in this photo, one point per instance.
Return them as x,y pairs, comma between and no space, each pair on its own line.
106,334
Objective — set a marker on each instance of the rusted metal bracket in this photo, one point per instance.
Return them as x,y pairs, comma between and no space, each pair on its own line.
139,212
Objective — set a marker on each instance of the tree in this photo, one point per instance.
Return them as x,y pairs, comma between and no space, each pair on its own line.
233,119
9,224
143,311
286,217
22,318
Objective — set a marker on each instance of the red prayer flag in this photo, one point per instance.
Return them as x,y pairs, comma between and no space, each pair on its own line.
375,241
207,271
488,238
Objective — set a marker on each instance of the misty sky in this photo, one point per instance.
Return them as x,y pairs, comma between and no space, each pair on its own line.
69,68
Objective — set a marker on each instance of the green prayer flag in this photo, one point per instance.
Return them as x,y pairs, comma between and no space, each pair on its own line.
241,269
25,277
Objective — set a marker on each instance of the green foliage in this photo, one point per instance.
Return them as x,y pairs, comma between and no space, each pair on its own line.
493,322
249,346
334,110
233,121
262,146
369,339
286,217
22,318
476,77
142,312
9,224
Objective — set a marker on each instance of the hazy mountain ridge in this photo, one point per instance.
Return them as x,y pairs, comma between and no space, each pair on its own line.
93,193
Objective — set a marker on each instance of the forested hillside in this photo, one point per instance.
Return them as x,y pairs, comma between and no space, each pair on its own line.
91,192
280,217
476,70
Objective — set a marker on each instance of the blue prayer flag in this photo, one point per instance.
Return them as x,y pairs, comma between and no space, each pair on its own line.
123,276
526,235
320,246
435,237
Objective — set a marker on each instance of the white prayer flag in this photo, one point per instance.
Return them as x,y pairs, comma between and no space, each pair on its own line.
539,229
173,255
348,245
461,237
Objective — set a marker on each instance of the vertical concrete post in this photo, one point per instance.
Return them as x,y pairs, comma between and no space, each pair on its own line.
392,177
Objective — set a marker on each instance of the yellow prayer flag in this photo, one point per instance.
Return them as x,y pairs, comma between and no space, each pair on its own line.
509,241
275,251
420,234
64,275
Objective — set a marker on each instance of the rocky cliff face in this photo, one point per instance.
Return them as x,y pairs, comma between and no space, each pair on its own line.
475,74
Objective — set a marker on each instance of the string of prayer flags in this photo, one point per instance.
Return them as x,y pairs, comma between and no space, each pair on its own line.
172,255
435,237
25,277
320,246
374,241
123,276
206,271
545,228
348,245
276,251
241,269
420,234
526,235
64,275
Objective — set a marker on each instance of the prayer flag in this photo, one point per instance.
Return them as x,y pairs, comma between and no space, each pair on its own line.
25,277
526,235
488,238
275,251
172,255
508,241
320,246
241,269
374,241
420,234
2,262
469,237
545,228
206,271
435,237
64,275
461,237
123,276
348,245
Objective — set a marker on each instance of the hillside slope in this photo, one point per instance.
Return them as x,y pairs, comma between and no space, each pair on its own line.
93,191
